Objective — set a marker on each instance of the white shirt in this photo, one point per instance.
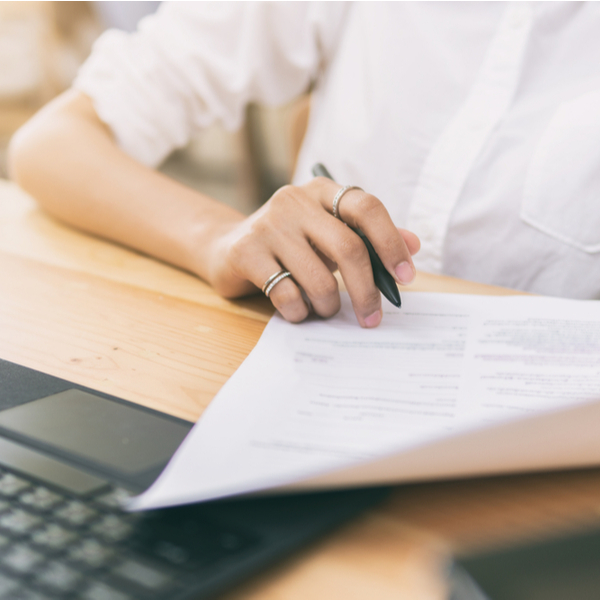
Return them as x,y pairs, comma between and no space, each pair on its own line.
477,124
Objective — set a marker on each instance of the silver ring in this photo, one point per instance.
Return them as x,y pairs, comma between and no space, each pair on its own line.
338,197
274,280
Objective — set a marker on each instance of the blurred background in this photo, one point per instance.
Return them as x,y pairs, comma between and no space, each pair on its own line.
42,44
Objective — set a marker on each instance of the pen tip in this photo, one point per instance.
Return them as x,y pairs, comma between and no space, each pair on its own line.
395,300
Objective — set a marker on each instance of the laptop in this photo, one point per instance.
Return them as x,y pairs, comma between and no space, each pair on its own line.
70,457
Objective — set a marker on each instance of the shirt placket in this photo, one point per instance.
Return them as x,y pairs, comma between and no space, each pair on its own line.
453,154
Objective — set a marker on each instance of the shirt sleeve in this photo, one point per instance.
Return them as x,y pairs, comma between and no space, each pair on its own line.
196,62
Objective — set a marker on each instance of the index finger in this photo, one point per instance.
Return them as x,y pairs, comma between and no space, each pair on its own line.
366,212
363,211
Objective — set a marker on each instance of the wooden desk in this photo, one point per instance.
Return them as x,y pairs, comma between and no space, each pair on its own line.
100,315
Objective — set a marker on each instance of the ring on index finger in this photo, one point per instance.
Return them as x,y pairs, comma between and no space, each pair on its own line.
270,283
338,197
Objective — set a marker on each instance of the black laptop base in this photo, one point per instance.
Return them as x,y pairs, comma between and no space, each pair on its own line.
64,535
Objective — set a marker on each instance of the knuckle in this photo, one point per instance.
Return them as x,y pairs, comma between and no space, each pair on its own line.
325,289
285,297
284,196
318,184
286,190
261,228
369,205
351,248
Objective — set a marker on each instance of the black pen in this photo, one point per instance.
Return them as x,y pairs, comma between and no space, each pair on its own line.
383,280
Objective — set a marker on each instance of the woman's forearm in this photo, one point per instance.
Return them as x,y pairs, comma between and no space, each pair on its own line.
67,159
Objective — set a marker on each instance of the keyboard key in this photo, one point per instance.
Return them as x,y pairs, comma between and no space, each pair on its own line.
101,591
4,542
76,513
116,498
172,553
11,485
4,505
92,553
41,498
53,536
231,542
142,575
19,522
59,577
22,558
112,528
183,538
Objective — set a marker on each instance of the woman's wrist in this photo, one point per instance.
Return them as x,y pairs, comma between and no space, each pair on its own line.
206,242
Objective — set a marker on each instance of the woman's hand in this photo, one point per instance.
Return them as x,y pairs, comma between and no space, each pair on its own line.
62,157
296,231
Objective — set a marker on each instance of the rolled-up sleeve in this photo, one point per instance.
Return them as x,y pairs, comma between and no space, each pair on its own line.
193,63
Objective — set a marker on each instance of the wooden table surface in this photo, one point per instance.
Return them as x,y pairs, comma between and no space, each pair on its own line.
100,315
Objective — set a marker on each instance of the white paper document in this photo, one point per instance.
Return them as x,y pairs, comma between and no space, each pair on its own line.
449,385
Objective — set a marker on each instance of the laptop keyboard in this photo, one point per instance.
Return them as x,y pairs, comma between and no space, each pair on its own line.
55,545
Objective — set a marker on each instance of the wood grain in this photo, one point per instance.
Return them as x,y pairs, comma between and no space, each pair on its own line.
29,232
165,352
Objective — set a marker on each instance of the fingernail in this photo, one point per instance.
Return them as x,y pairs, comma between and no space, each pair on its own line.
374,319
404,272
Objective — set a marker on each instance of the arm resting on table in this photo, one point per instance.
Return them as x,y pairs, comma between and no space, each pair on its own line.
68,160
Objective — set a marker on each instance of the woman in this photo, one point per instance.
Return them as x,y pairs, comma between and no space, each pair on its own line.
473,125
